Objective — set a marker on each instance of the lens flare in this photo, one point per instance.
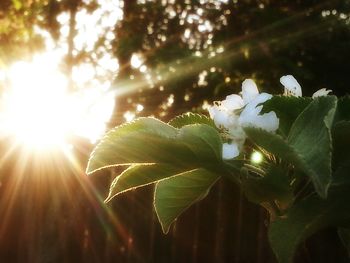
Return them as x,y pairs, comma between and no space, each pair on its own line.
256,157
38,109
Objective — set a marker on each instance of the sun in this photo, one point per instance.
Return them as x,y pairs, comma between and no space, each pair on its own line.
33,102
41,113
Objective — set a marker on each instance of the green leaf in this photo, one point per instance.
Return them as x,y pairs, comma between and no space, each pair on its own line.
343,109
175,194
234,165
204,141
274,144
191,118
274,185
146,140
344,235
307,217
156,151
141,175
309,143
310,136
341,144
287,109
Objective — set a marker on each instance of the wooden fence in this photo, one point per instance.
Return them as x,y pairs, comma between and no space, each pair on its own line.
52,212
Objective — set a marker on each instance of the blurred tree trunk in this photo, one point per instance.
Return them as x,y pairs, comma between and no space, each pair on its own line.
123,32
73,8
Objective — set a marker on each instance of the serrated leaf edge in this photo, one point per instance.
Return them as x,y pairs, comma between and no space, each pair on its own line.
167,228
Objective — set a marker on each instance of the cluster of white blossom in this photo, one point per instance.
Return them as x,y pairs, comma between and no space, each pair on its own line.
244,110
293,88
239,111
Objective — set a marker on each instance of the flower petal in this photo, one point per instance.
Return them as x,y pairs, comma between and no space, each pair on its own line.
220,116
249,90
252,108
321,92
250,116
291,86
237,134
212,111
267,121
232,102
229,151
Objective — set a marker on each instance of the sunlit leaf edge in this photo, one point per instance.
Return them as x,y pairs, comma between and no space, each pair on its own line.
191,118
166,225
295,140
176,171
125,128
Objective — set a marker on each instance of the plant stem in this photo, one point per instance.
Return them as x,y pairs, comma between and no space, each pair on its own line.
255,169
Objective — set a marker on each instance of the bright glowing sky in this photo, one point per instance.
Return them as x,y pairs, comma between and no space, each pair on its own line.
40,111
35,104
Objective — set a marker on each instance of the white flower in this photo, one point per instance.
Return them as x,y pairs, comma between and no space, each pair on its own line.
321,92
236,112
236,133
251,117
233,102
229,151
219,114
249,90
291,86
224,115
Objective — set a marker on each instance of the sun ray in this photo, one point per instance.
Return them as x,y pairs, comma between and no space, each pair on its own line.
39,111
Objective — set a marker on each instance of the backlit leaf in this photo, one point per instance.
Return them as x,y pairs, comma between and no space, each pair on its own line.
145,140
141,175
275,185
306,218
309,144
287,109
191,118
310,137
204,141
175,194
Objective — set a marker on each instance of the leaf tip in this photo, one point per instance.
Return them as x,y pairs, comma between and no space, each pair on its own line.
108,199
90,169
322,191
165,228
